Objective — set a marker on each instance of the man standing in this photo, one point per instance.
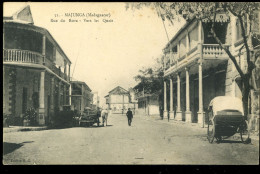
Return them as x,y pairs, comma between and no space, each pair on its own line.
129,115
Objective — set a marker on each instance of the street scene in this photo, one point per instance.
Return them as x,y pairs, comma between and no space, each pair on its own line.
131,83
146,141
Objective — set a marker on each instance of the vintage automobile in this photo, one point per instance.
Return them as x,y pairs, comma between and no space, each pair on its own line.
226,118
90,116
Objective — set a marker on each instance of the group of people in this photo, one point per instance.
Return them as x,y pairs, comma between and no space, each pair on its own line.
104,113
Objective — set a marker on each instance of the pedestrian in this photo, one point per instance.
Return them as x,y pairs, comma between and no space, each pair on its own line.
104,114
98,115
129,115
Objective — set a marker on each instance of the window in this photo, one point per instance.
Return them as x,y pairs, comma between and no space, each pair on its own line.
238,28
183,47
193,38
255,24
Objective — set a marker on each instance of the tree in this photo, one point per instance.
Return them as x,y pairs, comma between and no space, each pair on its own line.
150,79
245,13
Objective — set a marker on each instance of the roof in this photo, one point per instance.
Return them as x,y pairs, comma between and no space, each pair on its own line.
179,32
23,17
118,90
81,82
221,103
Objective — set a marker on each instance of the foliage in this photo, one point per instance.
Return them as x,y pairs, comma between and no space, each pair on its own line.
244,11
150,79
30,114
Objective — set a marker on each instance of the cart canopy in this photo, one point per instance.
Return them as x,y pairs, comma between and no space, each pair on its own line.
226,103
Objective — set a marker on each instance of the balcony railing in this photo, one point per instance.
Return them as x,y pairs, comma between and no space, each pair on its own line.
24,56
213,50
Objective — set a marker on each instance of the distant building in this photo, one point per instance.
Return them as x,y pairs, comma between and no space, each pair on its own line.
148,104
81,95
96,100
36,71
119,100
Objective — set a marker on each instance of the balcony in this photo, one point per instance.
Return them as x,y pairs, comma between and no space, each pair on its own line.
209,51
22,56
25,56
213,51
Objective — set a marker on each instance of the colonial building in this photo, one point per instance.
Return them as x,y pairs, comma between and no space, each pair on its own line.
196,69
119,100
148,104
36,70
81,96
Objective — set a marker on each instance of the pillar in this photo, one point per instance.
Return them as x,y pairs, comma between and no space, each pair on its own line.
165,112
201,113
70,94
41,119
171,113
52,100
43,47
3,37
178,112
69,73
187,112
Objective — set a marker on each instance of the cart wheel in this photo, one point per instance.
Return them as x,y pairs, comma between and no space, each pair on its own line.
244,132
211,131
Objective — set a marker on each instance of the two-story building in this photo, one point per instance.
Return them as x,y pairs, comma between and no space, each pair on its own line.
196,69
36,70
81,96
119,100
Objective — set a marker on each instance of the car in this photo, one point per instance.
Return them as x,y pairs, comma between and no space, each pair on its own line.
89,117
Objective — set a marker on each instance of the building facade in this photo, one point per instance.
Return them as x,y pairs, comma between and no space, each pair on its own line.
148,104
81,96
196,69
36,71
119,100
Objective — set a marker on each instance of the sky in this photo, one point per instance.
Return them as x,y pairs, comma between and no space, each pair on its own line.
103,54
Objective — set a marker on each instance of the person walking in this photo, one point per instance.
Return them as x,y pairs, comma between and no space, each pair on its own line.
129,115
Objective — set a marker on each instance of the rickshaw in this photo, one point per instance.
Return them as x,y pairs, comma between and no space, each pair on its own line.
89,117
226,118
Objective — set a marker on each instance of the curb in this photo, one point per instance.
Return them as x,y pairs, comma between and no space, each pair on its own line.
21,129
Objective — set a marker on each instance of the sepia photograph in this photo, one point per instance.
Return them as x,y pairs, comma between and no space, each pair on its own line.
131,83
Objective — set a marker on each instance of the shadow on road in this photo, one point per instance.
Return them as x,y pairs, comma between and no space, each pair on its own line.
94,126
10,147
230,141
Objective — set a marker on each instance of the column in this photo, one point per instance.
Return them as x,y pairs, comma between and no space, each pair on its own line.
188,112
52,93
41,119
171,113
59,96
187,44
3,37
178,112
70,94
69,72
43,47
201,113
165,112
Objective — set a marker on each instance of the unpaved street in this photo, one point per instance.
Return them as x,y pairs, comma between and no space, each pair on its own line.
145,142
